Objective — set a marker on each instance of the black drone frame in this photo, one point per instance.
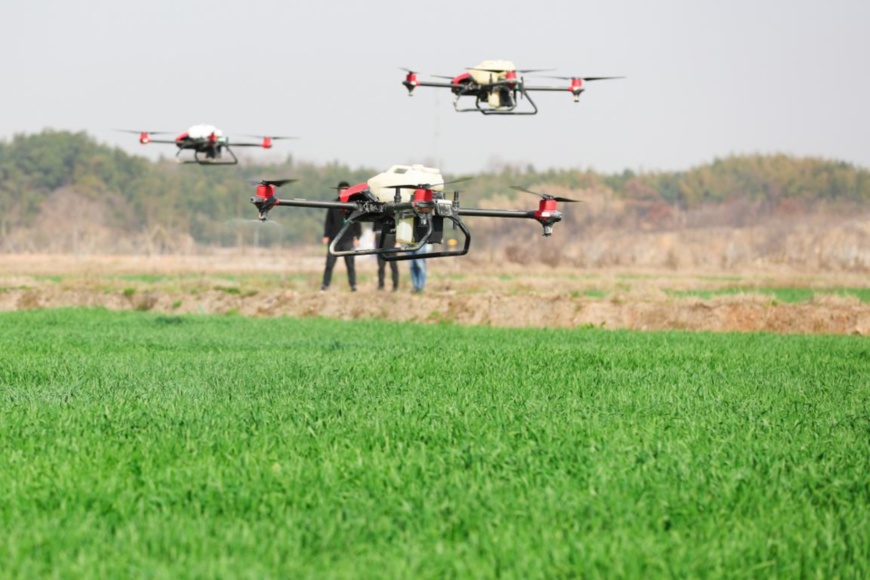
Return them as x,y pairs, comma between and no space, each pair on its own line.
205,151
481,93
428,212
213,155
515,86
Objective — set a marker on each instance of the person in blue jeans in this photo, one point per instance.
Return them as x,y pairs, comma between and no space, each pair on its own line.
418,270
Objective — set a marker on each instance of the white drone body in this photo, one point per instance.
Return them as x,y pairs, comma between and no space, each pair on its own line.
380,186
205,132
491,70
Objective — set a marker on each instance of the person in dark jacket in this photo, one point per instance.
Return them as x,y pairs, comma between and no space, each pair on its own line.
335,220
389,242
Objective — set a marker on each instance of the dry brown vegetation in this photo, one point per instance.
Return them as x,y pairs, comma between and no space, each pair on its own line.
486,287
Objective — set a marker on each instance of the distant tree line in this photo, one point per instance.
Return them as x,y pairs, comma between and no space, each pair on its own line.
135,195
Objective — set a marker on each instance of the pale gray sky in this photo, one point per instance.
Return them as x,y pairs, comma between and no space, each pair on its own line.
705,78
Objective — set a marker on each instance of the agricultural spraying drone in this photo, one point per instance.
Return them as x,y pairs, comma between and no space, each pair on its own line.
207,142
496,88
406,201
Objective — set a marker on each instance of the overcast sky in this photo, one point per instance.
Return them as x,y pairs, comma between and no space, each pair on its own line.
705,78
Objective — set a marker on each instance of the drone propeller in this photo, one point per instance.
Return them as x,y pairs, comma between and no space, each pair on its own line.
273,182
273,138
427,185
546,195
240,222
584,79
147,132
534,70
519,70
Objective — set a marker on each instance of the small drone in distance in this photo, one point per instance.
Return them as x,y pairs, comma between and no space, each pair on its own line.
207,142
407,201
496,88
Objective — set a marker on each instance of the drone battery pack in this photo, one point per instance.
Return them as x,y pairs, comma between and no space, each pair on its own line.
437,235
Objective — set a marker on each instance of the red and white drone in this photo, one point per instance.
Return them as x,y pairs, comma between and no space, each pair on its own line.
408,202
495,86
207,142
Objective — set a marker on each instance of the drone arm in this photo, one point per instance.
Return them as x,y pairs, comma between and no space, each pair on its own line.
575,82
317,204
265,205
553,89
547,218
437,85
497,213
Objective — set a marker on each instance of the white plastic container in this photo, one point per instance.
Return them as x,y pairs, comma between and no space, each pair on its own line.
490,70
404,175
405,232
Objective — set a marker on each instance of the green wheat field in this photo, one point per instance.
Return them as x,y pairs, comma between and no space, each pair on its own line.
135,444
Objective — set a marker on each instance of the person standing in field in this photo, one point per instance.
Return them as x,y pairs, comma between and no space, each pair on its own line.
418,270
335,220
389,242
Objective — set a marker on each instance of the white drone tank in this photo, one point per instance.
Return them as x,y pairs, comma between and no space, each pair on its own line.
485,76
416,174
203,131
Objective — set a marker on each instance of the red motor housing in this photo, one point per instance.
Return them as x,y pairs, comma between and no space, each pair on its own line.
423,200
576,88
545,208
511,77
265,191
144,138
267,142
410,82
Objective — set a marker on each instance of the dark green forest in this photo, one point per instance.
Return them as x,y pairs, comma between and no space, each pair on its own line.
133,194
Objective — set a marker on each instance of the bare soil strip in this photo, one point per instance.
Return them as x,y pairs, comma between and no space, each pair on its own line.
458,291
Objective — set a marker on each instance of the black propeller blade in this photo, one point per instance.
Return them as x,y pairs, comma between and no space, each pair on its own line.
240,222
546,195
276,138
427,185
584,79
148,132
275,182
519,70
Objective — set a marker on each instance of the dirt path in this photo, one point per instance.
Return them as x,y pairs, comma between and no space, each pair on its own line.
457,292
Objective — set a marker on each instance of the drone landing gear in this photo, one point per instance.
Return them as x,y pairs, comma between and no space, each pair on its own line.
212,157
481,104
427,230
509,110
